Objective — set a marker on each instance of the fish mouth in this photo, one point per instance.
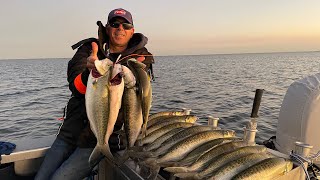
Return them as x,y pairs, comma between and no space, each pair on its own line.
95,73
116,80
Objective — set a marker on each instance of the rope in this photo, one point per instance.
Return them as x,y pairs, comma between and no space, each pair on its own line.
301,160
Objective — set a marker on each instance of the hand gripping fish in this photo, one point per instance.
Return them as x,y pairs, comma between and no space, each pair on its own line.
103,100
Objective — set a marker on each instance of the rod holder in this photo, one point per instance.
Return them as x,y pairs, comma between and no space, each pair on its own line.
302,149
250,136
212,121
250,131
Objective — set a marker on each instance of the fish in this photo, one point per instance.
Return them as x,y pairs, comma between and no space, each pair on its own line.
132,115
154,118
205,158
145,88
191,131
159,132
228,157
157,143
171,120
182,148
167,113
269,168
229,170
193,155
102,91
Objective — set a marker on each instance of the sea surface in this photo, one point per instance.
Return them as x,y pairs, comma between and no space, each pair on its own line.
33,92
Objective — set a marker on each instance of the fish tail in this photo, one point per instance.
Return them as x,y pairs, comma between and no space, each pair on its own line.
176,169
186,175
105,149
95,157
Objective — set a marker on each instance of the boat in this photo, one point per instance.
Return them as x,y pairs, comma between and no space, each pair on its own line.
296,137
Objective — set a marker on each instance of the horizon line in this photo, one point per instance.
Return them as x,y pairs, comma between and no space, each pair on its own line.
178,55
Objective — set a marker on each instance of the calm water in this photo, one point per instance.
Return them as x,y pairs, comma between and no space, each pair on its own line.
34,92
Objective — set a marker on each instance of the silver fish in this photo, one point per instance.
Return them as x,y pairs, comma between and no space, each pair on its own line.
231,169
191,131
205,158
156,134
154,118
270,168
100,94
182,148
171,120
145,88
228,157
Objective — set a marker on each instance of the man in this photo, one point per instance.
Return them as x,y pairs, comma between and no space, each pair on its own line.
69,154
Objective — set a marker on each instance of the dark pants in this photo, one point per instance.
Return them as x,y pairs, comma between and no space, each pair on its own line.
65,161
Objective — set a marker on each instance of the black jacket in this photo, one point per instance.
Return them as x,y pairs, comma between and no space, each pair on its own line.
75,128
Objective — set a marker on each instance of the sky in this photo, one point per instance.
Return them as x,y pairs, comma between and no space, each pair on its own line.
46,29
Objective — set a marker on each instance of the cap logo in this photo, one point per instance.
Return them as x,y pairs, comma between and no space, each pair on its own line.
120,12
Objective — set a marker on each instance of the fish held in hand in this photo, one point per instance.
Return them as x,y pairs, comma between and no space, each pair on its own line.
103,101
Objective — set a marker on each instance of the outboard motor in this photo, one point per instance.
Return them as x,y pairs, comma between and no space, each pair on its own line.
299,118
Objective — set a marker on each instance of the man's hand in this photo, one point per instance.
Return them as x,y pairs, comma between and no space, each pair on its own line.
93,56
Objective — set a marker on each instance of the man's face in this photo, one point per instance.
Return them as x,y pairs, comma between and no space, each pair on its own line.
119,33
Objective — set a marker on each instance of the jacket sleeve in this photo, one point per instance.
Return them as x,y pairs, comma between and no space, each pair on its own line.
77,72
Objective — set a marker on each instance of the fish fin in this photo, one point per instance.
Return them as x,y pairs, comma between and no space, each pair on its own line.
176,169
95,157
105,149
186,175
144,130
